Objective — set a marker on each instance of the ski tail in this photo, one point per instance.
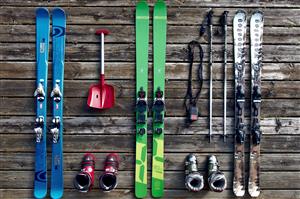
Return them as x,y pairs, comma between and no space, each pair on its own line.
159,53
239,35
42,46
256,34
58,35
142,43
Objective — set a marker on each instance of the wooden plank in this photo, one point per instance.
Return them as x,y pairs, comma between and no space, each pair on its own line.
125,107
186,3
126,70
126,52
174,89
125,143
173,161
173,180
126,34
126,125
176,16
168,193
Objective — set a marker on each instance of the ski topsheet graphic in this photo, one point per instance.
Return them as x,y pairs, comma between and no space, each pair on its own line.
158,108
40,94
239,36
256,34
142,43
58,38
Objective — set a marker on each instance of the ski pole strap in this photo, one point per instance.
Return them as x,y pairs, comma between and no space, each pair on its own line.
191,105
206,22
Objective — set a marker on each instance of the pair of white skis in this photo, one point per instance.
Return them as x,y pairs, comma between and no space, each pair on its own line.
239,35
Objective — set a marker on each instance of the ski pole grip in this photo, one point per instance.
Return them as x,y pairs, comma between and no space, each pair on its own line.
104,31
225,14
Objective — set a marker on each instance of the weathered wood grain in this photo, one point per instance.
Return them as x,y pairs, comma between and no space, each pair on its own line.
126,52
126,34
174,89
169,193
88,130
173,179
181,3
126,125
125,143
176,16
126,70
125,107
173,161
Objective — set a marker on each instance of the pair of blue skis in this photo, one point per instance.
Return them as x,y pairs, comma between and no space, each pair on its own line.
40,94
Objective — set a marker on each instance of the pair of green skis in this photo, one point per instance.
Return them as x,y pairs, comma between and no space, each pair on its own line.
159,53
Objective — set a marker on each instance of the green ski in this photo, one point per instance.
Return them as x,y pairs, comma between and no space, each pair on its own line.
159,59
142,43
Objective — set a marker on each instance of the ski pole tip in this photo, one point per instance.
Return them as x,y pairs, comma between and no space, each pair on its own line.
100,31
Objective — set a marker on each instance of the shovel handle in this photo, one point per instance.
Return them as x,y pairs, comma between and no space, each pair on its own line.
102,32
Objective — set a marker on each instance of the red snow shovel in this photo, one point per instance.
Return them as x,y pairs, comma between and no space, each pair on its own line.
101,95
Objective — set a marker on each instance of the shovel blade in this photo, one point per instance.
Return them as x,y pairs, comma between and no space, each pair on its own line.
101,97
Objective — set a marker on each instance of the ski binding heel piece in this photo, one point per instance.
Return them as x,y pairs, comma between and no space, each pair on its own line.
158,107
55,129
56,94
240,136
39,92
256,133
141,107
39,124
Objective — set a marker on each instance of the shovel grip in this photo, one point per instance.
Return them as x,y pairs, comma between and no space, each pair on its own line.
104,31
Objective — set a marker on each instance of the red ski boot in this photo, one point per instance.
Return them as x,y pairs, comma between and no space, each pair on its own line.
108,180
84,180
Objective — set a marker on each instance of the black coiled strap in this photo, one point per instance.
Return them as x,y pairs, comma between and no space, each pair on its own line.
189,94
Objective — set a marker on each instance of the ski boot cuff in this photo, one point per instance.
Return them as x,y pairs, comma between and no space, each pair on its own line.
217,181
84,180
194,182
108,181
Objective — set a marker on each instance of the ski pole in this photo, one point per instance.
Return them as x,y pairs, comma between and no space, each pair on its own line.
224,24
209,23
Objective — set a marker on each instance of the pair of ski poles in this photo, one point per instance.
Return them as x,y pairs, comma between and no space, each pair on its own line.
224,26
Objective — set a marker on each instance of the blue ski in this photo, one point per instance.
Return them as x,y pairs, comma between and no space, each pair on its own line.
42,44
58,39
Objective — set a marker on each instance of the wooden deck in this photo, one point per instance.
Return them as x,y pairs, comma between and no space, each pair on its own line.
101,132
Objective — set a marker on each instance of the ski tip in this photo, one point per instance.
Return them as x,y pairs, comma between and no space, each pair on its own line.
160,3
42,12
58,12
258,12
142,4
240,11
